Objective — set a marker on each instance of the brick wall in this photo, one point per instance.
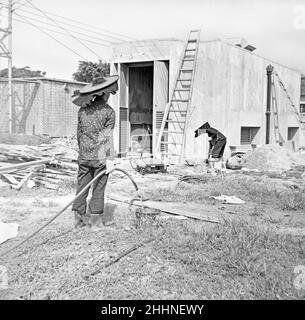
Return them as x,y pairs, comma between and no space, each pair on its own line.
52,111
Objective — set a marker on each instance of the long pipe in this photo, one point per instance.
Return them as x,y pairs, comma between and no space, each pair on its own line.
269,84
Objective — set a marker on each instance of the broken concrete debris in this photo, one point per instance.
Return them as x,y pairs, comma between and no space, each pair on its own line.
235,162
272,158
269,158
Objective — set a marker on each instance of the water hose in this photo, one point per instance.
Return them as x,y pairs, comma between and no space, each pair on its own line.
69,204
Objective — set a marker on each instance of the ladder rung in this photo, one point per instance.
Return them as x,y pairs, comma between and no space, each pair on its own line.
175,132
166,142
190,54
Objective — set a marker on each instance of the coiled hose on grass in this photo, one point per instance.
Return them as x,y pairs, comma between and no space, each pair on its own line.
69,204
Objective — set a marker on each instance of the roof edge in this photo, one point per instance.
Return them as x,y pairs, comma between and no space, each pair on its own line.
260,56
53,79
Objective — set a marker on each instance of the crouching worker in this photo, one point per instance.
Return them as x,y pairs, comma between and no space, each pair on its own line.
217,141
96,120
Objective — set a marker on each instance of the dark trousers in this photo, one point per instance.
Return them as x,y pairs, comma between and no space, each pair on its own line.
87,170
219,148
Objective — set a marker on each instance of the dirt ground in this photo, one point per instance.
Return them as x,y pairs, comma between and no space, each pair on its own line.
251,254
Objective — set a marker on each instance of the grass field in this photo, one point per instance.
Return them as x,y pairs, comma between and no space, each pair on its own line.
187,259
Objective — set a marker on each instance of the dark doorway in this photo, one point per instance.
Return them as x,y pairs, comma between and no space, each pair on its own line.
140,93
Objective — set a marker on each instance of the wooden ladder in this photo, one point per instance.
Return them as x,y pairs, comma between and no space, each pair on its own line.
278,137
294,108
176,111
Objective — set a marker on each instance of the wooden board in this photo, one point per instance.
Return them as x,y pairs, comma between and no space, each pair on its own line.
165,207
23,165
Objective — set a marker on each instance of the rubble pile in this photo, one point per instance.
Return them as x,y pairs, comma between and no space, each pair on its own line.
269,158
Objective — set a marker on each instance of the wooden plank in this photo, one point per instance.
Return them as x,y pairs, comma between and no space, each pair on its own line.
160,96
124,130
164,207
23,165
10,179
23,181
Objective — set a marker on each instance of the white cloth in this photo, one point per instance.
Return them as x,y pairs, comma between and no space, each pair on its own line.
110,165
8,231
229,199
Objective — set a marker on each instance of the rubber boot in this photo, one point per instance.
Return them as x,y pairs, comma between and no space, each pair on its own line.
79,220
109,223
96,223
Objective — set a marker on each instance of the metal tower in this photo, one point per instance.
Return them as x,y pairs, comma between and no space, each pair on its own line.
6,51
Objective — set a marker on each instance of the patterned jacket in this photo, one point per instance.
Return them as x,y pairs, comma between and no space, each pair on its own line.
95,132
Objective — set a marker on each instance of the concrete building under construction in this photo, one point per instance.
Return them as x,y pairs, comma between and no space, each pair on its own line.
229,91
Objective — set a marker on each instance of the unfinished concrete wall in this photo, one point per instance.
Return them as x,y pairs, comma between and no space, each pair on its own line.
230,92
140,51
229,89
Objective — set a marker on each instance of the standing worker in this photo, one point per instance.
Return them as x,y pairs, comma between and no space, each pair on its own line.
217,141
96,120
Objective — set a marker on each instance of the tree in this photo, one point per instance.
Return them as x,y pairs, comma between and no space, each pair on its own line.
24,72
87,71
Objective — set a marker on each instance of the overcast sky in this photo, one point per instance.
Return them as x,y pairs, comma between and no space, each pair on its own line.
275,27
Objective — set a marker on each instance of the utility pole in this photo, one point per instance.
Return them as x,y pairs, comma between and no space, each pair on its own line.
269,70
6,52
10,65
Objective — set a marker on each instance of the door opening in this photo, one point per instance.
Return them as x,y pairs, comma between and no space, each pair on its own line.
140,104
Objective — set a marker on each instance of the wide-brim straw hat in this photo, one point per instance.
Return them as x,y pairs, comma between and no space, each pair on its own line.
98,84
98,87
